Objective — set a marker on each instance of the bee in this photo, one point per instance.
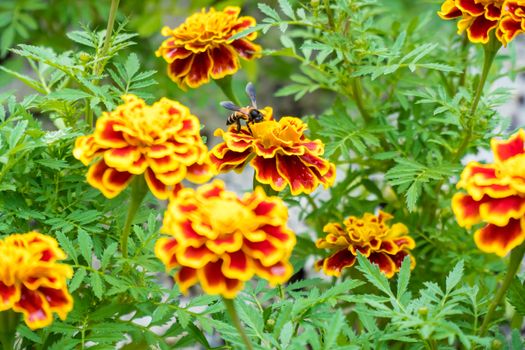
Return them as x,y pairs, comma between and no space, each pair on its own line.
249,114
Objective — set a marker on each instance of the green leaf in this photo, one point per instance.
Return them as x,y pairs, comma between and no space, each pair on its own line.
454,276
286,334
333,329
69,95
268,11
373,274
86,245
403,277
132,65
516,296
67,245
77,279
109,252
287,8
96,285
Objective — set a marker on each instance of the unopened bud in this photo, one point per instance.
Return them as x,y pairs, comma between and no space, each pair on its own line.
423,311
84,56
496,345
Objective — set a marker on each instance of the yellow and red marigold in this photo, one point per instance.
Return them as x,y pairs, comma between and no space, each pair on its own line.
221,241
478,17
495,196
279,152
201,47
31,281
512,21
370,235
161,141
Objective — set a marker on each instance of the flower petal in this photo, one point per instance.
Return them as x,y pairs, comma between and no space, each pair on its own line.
505,149
385,263
335,263
224,60
200,70
499,211
466,210
500,240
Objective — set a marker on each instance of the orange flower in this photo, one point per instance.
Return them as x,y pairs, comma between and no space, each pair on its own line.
31,282
496,196
201,46
512,21
278,151
161,141
384,245
222,241
478,17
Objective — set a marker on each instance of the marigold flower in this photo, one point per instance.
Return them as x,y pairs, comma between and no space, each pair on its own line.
512,21
201,46
478,17
279,152
161,141
495,196
31,281
384,245
222,241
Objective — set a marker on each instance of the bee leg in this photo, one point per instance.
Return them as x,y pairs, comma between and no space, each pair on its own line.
238,126
248,125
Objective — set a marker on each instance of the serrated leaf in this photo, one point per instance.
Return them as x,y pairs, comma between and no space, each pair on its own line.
86,245
333,329
132,65
286,334
77,279
67,246
516,296
373,274
97,285
268,11
287,9
454,276
403,277
108,254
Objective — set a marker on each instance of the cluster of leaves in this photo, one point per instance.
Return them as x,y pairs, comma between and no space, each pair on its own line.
396,143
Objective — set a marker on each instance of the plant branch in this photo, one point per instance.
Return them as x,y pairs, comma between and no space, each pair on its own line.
230,308
516,256
138,192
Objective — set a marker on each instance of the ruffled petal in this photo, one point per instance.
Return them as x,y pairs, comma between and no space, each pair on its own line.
385,263
224,60
500,240
466,210
266,173
505,149
500,211
200,70
335,263
237,265
35,309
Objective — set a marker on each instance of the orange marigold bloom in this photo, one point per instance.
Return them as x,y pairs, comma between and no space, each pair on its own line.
222,241
478,17
161,141
495,196
512,21
201,46
384,245
279,152
31,281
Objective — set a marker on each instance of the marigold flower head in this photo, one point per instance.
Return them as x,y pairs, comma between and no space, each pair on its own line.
512,21
201,47
370,235
495,196
478,17
31,281
221,241
161,141
279,152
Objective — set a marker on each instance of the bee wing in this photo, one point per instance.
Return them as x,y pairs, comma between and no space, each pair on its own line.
250,91
230,105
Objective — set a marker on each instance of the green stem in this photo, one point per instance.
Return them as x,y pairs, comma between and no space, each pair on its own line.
8,322
226,86
99,66
491,49
138,192
329,14
230,308
107,40
358,97
516,256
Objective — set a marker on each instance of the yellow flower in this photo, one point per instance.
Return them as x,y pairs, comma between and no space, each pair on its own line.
221,241
279,152
382,244
31,281
495,196
201,47
161,141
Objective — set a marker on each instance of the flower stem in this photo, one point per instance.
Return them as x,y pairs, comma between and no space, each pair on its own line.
99,66
8,322
516,256
226,86
138,192
230,308
357,90
491,49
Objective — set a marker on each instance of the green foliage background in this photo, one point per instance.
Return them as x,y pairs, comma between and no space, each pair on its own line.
385,84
